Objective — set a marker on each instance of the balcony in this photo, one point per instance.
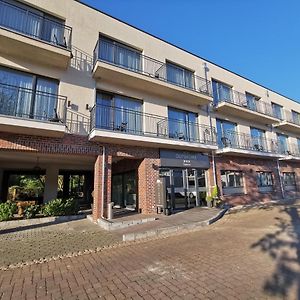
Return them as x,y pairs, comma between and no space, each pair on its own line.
236,104
24,111
26,35
124,126
290,123
243,144
291,151
147,74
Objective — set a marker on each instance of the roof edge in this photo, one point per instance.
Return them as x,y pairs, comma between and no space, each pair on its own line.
182,49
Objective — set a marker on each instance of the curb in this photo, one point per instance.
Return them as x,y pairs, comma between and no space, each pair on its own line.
172,230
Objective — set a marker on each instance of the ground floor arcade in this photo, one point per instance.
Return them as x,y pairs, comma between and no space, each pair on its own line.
105,176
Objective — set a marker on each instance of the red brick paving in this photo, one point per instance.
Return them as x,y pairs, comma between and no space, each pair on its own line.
248,255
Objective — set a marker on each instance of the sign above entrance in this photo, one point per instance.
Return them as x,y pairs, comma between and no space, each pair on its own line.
180,159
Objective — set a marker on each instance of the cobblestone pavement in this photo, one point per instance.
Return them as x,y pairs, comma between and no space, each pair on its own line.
44,240
247,255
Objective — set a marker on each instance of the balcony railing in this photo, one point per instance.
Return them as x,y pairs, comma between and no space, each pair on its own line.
138,123
240,99
35,26
291,118
148,66
233,139
294,149
32,104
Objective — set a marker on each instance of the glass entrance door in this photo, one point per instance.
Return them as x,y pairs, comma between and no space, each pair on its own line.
186,188
124,190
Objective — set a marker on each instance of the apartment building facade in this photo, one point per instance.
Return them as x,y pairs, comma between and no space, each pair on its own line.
102,111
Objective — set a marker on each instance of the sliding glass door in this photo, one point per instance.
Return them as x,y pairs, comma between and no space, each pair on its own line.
27,96
115,112
183,125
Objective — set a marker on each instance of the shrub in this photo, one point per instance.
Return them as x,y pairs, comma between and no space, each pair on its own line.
31,211
60,207
7,211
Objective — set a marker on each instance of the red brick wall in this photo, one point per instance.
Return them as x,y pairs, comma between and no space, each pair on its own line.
249,167
69,144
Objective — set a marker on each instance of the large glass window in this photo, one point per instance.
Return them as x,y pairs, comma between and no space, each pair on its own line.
264,179
119,54
296,117
180,76
27,96
182,125
252,101
258,139
29,21
277,110
115,112
289,179
221,92
232,179
226,133
282,143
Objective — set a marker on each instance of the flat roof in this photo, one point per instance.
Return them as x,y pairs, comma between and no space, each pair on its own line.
182,49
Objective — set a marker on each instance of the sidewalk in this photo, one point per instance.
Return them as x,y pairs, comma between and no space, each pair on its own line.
188,220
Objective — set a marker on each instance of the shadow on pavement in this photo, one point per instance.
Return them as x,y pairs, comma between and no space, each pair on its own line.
283,246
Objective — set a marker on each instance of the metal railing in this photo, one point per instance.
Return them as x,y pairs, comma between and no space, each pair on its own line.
233,139
32,104
294,149
292,117
34,25
147,66
241,100
138,123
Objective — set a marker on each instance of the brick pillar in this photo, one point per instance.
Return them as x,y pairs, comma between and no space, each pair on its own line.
98,192
147,177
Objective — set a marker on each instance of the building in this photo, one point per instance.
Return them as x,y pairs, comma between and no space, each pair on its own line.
101,110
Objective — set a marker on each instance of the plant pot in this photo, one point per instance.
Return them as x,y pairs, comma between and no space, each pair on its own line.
210,204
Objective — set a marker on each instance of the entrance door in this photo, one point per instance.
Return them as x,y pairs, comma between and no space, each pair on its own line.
124,190
180,189
186,187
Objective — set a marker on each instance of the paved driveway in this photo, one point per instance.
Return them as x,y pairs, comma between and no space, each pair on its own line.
247,255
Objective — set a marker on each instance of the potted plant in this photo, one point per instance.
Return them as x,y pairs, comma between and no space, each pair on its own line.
209,201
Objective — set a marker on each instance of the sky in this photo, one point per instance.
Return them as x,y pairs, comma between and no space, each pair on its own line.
258,39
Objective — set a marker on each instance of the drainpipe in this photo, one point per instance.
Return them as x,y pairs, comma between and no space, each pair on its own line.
214,167
103,181
280,179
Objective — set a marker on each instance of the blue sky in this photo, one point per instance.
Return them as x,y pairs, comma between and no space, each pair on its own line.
258,39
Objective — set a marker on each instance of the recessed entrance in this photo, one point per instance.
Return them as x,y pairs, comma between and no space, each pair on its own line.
124,185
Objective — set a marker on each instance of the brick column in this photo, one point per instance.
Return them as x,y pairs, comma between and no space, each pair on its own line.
147,177
98,180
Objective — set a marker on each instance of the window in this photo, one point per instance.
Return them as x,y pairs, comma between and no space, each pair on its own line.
277,110
119,54
282,143
27,96
252,101
115,112
29,21
221,92
232,179
298,144
258,140
226,134
180,76
289,179
296,117
182,124
264,179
